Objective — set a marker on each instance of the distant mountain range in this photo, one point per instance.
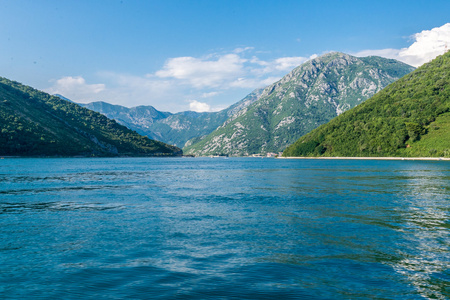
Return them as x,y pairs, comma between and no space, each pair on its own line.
409,118
175,129
33,123
270,119
309,96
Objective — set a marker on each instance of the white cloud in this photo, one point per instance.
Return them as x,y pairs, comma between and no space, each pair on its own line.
427,45
203,72
240,50
75,88
194,105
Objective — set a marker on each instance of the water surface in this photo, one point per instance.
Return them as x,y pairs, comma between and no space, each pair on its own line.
190,228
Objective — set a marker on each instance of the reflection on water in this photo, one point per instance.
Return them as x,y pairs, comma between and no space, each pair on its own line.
212,228
425,210
23,207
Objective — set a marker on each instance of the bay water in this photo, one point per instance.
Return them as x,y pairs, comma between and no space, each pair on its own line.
216,228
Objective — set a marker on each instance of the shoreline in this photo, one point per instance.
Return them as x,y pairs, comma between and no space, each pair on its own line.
370,158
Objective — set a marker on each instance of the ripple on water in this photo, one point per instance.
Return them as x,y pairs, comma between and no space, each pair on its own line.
148,228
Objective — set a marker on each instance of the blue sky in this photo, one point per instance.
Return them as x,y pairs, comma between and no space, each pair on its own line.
200,55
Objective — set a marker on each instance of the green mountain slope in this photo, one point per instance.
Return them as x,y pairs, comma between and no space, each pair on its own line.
410,117
310,95
33,123
175,129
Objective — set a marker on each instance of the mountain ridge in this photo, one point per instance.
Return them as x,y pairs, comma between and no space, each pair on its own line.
310,95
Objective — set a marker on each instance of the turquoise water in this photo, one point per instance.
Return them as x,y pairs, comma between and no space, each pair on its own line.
190,228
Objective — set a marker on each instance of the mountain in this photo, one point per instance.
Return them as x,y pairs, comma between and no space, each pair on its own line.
411,117
138,118
62,97
175,129
185,127
310,95
33,123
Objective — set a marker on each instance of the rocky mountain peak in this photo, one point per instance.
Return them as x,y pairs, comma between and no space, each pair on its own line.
310,95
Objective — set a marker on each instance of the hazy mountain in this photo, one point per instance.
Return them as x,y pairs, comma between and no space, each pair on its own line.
138,118
33,123
411,117
310,95
175,129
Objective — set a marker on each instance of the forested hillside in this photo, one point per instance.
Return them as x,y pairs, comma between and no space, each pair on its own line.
33,123
411,117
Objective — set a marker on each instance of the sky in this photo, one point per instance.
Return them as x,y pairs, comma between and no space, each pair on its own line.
202,55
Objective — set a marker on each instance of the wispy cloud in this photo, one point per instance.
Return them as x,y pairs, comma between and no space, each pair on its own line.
288,63
280,65
240,50
210,94
427,45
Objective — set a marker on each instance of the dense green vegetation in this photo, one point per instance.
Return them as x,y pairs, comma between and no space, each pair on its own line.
33,123
411,117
